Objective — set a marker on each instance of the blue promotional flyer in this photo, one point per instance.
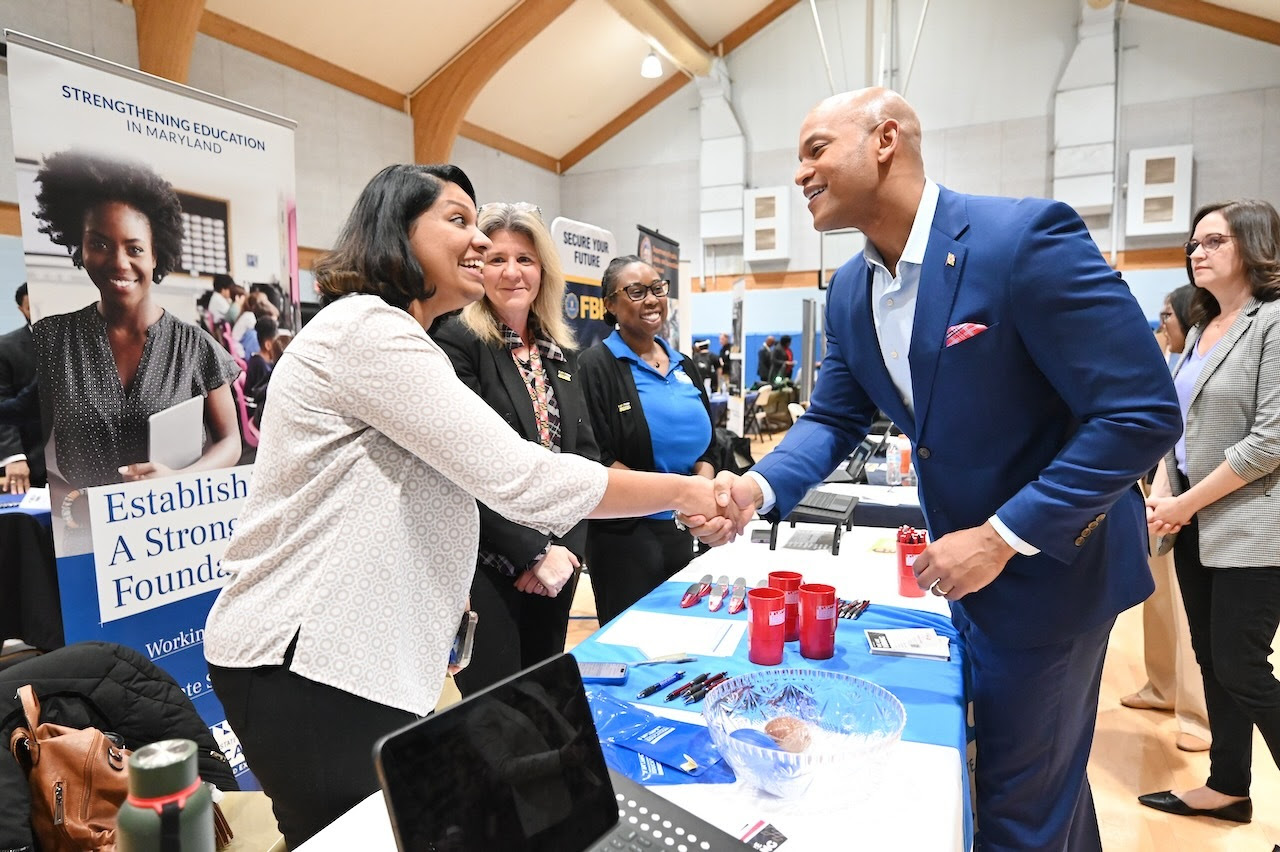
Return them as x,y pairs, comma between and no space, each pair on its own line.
136,195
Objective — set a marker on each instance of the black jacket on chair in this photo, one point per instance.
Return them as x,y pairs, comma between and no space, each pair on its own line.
107,686
490,372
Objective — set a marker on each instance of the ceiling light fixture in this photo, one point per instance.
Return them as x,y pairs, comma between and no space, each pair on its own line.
651,67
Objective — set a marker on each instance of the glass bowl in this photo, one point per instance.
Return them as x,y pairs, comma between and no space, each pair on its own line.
782,730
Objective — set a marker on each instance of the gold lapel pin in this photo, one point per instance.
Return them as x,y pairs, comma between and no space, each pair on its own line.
951,259
565,376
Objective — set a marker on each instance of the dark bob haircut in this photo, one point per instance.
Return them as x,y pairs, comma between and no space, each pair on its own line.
1255,227
609,280
372,254
1179,301
74,182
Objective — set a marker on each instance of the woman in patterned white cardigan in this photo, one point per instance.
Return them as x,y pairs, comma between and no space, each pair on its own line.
1218,490
355,550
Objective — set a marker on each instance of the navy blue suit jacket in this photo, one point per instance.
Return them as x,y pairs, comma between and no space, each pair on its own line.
1048,418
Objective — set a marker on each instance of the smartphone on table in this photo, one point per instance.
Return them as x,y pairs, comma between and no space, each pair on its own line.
602,672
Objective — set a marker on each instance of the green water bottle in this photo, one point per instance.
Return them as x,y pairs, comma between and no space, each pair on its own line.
169,809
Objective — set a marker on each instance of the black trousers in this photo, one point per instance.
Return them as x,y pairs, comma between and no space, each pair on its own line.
1233,614
515,629
628,559
310,745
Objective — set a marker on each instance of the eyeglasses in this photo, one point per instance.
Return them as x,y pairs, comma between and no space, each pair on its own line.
508,206
636,292
1211,243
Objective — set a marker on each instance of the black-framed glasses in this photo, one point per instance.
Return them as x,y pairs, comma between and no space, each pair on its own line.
636,292
1211,243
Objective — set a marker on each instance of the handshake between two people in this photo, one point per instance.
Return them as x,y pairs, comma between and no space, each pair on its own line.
957,564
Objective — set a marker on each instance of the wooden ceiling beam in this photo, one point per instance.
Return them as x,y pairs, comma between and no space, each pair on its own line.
1240,23
440,104
166,36
667,33
754,24
666,89
671,85
261,44
498,142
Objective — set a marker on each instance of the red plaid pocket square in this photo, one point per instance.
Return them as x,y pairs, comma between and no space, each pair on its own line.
963,331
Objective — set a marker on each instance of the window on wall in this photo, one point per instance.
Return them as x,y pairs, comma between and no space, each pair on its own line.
206,245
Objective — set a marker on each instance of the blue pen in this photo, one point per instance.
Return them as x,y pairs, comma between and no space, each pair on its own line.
665,682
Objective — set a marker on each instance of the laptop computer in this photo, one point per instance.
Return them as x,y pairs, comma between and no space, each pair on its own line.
518,766
854,469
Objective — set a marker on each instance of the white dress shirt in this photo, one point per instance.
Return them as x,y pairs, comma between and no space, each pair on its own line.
893,310
360,531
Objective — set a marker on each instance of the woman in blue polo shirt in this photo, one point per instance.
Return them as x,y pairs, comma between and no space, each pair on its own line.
649,412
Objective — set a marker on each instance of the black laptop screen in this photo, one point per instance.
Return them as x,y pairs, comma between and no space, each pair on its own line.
516,767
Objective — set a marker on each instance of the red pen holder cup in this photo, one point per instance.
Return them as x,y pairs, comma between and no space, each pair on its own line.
817,621
765,625
907,585
789,583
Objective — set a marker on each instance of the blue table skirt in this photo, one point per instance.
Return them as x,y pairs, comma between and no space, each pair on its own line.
9,503
932,691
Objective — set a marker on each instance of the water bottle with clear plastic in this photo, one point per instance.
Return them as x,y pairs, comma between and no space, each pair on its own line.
893,463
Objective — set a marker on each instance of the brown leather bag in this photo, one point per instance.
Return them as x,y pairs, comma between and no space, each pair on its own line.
79,779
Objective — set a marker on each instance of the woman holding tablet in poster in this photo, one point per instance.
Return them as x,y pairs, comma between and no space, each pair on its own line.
106,368
355,550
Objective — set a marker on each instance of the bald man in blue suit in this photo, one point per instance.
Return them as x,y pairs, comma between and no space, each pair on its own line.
1001,343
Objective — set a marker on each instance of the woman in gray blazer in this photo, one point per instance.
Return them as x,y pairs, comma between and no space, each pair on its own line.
1218,490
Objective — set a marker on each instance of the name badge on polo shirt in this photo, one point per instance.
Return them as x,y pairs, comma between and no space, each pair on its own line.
626,406
564,376
682,376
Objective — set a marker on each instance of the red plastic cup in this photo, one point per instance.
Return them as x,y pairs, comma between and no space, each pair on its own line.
817,621
907,585
789,582
765,626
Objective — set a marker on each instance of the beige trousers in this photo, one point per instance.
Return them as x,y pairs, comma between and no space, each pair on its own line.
1173,675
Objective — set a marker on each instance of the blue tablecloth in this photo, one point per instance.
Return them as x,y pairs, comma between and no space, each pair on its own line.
9,503
931,690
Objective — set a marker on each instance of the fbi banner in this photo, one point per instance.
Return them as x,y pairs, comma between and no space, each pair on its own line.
585,251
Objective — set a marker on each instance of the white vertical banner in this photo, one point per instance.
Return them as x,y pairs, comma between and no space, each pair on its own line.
133,193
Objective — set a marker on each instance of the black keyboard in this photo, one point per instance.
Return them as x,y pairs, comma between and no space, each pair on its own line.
825,501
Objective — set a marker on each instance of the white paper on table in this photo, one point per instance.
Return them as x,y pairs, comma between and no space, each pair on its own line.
36,499
657,633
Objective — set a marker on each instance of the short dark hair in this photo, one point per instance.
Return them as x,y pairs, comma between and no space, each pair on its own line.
372,254
785,340
223,281
1180,303
74,182
1255,227
266,328
20,293
609,280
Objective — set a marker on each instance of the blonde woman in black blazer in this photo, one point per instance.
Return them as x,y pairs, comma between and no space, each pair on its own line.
1218,490
516,351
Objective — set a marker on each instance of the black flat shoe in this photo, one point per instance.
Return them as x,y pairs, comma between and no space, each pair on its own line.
1241,811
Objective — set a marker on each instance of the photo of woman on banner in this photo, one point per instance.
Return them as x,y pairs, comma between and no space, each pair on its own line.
107,368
